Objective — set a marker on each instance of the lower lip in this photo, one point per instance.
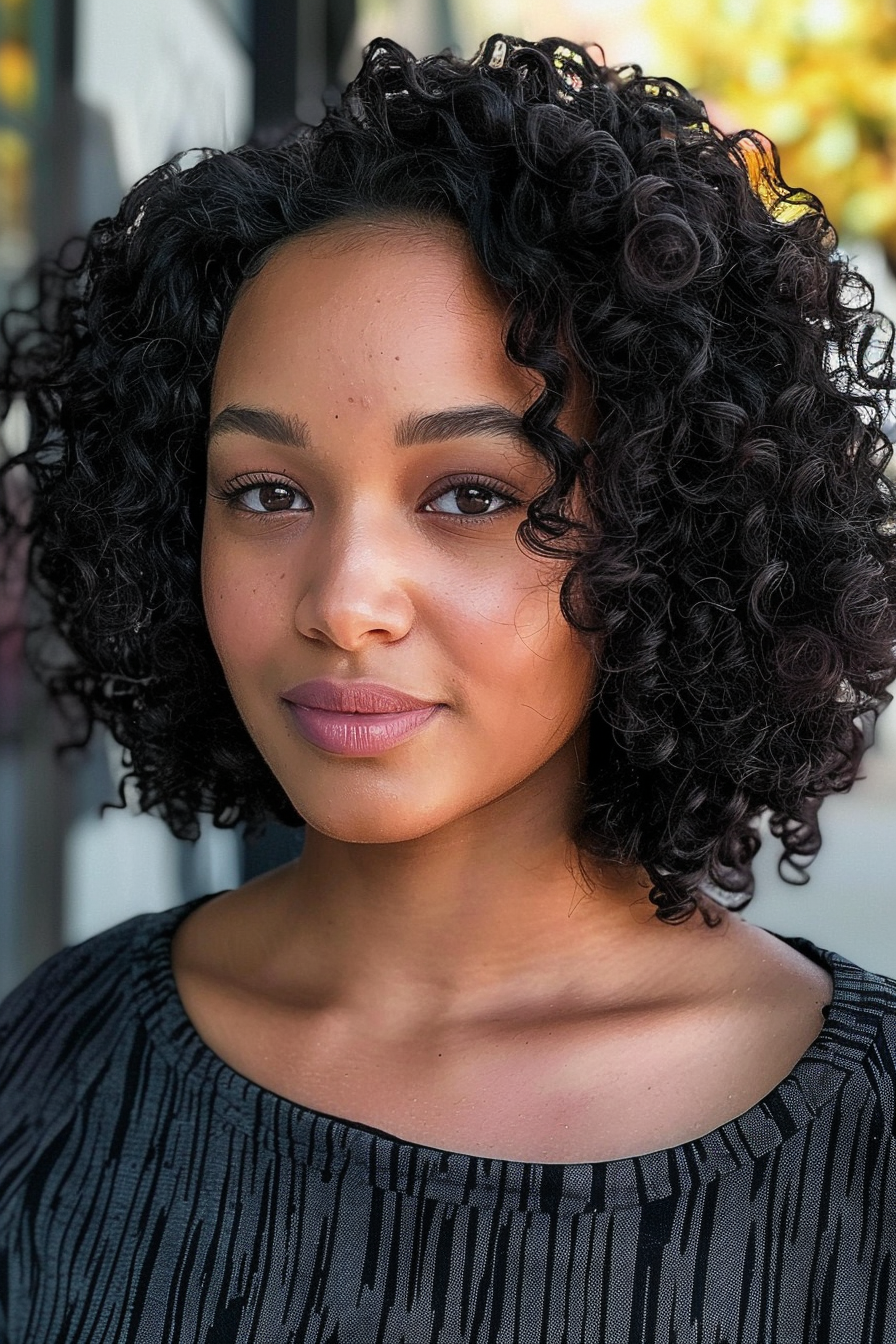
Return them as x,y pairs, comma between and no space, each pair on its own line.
358,734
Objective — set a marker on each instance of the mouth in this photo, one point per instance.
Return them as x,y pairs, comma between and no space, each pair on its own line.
354,696
356,733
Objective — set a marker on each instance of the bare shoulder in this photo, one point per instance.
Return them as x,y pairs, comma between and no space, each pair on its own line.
766,966
221,936
726,1019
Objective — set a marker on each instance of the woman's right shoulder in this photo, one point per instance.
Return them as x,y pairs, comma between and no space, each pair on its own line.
58,1029
65,983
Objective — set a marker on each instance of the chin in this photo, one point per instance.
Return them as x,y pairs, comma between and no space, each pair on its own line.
387,823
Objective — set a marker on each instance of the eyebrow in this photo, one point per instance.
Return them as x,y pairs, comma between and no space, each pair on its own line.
459,422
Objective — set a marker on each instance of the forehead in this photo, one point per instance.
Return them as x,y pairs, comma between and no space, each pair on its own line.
372,263
373,303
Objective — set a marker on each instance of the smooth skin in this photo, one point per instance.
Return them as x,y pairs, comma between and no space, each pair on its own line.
438,963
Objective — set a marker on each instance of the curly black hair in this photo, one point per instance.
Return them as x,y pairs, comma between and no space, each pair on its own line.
737,568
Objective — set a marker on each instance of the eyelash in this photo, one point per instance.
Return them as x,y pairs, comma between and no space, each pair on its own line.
235,490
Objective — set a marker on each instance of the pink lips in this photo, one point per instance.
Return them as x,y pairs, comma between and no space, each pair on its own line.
356,718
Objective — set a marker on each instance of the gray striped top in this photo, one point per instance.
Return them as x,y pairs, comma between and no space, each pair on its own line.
149,1193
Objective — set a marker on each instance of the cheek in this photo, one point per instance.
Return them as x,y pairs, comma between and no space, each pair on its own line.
516,641
243,603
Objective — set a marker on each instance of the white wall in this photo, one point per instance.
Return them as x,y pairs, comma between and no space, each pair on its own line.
169,73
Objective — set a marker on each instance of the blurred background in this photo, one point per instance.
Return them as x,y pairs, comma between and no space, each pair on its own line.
95,93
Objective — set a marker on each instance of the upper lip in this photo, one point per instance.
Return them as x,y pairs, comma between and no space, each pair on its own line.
353,697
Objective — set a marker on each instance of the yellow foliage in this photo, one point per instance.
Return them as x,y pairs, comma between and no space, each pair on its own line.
818,77
18,75
15,165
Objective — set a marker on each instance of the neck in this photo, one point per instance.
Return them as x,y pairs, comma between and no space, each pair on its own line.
493,916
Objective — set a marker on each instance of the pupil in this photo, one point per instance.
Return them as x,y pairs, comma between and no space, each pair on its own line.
482,499
274,496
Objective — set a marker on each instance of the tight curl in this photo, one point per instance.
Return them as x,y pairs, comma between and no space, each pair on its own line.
737,572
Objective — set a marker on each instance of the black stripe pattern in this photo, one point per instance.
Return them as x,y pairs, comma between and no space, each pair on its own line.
149,1194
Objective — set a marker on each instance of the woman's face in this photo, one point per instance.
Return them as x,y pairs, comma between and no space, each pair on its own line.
371,539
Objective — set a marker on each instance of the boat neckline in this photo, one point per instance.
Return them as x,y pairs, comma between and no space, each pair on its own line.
334,1144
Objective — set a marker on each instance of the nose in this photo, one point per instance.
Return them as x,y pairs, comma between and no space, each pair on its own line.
356,587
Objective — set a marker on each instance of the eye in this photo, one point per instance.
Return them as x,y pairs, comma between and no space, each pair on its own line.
262,495
473,497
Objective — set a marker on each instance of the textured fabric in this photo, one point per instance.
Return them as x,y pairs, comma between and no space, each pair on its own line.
150,1193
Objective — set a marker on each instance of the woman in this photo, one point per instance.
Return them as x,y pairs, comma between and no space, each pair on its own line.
491,482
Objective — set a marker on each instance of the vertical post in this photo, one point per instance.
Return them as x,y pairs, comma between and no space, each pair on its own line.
312,60
275,47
